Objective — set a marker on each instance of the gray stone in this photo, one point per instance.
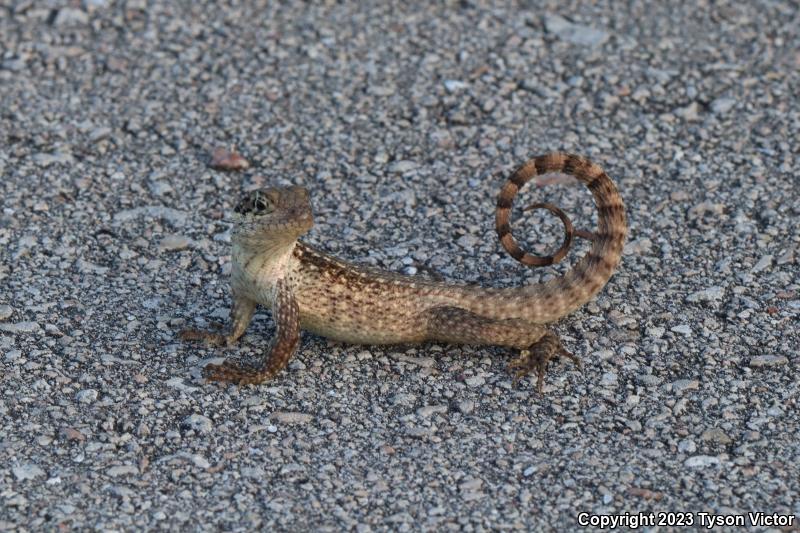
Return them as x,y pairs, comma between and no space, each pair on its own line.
199,423
609,379
716,435
453,86
649,380
760,361
475,381
466,406
160,188
122,470
20,327
683,329
86,396
429,410
174,243
6,311
709,294
68,16
701,461
46,160
467,242
574,33
14,65
27,472
690,112
721,106
682,385
99,134
401,167
763,264
290,417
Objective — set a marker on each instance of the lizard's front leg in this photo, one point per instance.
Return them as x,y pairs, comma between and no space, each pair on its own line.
287,336
241,314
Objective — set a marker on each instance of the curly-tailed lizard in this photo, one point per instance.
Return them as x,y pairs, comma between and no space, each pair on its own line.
311,290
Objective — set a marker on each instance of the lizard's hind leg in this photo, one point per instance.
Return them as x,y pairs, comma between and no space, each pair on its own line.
537,356
461,326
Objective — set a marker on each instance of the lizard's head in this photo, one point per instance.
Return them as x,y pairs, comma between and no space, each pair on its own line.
285,211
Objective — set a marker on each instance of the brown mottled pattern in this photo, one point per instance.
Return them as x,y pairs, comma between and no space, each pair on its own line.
309,289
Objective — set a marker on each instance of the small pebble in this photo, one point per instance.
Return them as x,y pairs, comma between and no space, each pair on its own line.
609,379
700,461
27,471
453,86
225,159
429,410
174,243
401,167
721,106
99,134
475,381
20,327
716,435
199,423
67,16
760,361
685,384
706,295
466,406
289,417
574,33
122,470
683,329
86,396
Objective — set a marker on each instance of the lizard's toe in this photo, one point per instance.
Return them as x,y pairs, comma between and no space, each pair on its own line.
535,359
226,371
215,339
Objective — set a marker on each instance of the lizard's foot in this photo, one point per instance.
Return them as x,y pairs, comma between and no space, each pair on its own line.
215,339
536,358
239,373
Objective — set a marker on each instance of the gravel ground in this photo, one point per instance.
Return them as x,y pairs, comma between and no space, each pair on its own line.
115,234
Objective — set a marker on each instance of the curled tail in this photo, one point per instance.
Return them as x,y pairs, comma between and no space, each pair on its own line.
560,296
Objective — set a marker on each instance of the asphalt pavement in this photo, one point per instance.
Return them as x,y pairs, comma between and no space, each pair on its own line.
402,119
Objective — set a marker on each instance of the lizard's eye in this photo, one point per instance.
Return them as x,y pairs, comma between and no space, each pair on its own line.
256,203
260,204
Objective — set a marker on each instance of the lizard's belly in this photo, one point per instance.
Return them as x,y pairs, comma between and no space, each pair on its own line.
357,336
363,325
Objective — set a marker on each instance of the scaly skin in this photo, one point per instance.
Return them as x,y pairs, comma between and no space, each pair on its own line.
310,290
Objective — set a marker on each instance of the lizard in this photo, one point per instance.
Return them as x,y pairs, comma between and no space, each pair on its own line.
308,289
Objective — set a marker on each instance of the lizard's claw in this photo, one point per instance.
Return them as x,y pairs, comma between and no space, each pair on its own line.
536,357
215,339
